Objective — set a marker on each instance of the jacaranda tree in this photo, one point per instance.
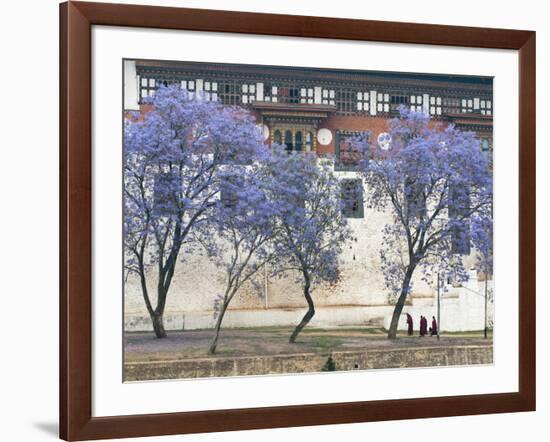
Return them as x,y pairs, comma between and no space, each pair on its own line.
245,223
482,239
437,186
312,230
172,156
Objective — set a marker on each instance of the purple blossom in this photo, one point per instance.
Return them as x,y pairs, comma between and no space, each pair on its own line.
437,185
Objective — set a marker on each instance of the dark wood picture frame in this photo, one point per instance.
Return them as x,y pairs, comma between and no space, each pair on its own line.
76,21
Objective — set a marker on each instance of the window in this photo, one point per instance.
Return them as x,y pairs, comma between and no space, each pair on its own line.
270,93
211,90
467,105
188,85
288,140
309,141
306,95
230,93
383,103
398,100
435,105
458,213
415,199
416,103
451,105
147,87
164,193
248,93
363,101
485,148
486,107
229,190
293,95
328,96
299,141
277,137
348,155
346,101
352,198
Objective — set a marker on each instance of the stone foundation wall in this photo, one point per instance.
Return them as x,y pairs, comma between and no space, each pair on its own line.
310,362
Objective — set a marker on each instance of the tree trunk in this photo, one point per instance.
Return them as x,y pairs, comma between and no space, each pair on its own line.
309,314
217,328
158,324
392,332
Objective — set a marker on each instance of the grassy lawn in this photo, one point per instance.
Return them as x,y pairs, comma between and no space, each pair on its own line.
235,342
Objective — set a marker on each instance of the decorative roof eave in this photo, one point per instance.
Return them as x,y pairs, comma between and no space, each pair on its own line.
482,85
471,119
294,109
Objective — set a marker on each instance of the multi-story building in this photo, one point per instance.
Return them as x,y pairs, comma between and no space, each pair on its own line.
309,109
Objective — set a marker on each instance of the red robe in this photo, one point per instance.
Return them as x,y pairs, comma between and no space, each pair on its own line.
423,326
434,327
409,325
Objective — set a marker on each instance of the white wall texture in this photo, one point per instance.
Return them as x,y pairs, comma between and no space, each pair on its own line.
360,297
29,180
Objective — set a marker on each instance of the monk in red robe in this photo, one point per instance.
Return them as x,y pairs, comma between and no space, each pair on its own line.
423,326
434,326
409,325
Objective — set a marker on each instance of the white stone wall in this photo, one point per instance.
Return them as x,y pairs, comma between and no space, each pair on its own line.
131,86
461,308
359,298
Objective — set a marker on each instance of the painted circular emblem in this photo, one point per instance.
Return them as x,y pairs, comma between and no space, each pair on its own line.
265,132
324,136
384,141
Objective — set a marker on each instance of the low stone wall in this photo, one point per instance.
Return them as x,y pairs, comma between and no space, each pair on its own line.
310,362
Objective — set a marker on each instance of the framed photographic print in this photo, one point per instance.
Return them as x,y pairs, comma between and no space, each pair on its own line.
272,220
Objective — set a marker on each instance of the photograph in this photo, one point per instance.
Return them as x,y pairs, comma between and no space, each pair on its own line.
288,219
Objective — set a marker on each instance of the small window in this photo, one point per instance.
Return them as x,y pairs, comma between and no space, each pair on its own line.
467,105
485,106
248,93
306,95
299,140
328,96
363,101
458,210
352,198
270,93
416,103
288,141
309,141
277,137
383,104
229,196
485,148
415,199
350,155
435,105
164,193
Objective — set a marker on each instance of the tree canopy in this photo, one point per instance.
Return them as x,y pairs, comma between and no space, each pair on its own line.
436,183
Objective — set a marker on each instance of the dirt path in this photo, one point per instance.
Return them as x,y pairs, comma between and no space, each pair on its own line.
273,341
